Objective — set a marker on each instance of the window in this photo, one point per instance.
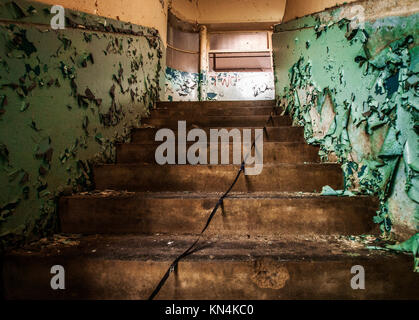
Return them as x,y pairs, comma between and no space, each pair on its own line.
240,51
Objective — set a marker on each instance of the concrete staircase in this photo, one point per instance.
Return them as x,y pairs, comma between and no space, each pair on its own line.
275,237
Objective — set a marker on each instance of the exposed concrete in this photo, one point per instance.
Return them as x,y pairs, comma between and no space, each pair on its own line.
307,266
278,152
270,274
216,104
220,121
270,214
183,111
275,176
129,267
272,134
207,178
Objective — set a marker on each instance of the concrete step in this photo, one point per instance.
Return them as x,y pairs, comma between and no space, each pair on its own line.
242,214
272,134
207,178
130,267
220,121
216,104
186,110
278,152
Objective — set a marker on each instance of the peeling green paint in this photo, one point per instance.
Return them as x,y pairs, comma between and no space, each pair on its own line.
66,98
329,191
355,91
410,246
181,86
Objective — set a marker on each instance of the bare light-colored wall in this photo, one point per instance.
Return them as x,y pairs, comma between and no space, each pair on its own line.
232,11
185,10
240,11
300,8
148,13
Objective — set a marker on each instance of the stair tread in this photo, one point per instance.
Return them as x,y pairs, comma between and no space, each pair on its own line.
308,177
149,127
251,110
267,143
131,266
219,121
146,134
232,103
254,213
228,117
160,247
210,195
229,166
177,107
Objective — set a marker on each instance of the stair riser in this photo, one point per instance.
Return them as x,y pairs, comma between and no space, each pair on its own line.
272,153
216,178
277,134
220,121
286,216
216,104
29,278
180,112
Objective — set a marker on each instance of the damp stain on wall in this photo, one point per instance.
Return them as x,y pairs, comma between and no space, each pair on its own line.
354,88
66,98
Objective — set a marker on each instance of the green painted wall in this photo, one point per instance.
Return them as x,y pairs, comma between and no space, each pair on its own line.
66,98
353,85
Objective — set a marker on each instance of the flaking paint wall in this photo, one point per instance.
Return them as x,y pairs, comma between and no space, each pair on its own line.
66,98
353,86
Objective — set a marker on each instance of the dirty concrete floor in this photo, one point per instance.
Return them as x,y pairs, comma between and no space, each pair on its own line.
240,248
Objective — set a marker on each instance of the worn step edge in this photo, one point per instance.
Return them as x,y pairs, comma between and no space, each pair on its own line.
283,134
130,267
210,104
182,213
220,121
307,177
220,111
279,152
